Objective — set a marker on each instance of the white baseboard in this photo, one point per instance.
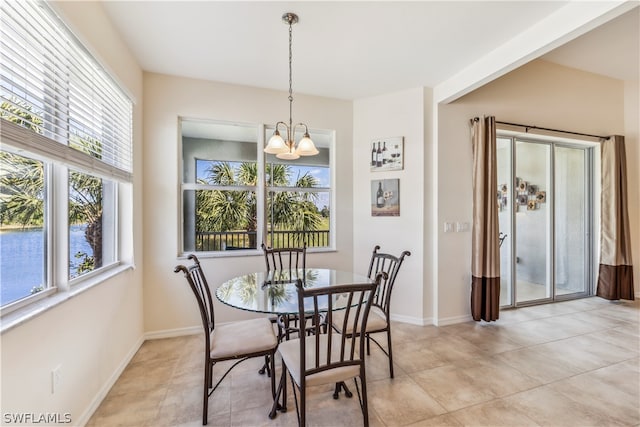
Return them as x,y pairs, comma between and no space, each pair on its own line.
170,333
453,320
431,321
102,393
412,320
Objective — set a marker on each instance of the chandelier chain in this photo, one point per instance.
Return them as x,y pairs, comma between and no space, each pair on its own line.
290,79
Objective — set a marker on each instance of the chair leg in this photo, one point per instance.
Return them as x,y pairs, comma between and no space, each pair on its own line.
365,408
205,393
390,353
303,406
265,367
282,391
336,391
272,374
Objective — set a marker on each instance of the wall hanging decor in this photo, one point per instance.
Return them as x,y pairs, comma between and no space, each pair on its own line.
385,197
387,154
528,196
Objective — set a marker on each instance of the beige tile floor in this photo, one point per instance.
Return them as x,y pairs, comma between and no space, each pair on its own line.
574,363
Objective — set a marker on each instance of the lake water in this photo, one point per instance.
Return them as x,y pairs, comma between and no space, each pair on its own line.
22,259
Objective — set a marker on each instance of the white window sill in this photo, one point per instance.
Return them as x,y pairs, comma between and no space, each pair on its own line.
30,311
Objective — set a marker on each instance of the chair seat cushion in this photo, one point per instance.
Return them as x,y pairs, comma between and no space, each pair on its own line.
240,338
290,352
377,321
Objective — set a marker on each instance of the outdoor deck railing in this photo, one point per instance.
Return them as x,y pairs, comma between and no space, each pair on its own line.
234,240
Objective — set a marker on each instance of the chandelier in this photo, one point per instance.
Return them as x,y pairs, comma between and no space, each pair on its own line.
287,149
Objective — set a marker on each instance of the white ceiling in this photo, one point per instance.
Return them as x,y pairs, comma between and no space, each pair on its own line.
351,50
613,49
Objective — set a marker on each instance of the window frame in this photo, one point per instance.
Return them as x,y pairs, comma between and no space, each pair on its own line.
293,189
262,189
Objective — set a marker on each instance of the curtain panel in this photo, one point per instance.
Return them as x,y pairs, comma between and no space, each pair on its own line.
485,263
615,278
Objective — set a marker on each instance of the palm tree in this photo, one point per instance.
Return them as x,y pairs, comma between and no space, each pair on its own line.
226,210
85,207
22,185
21,178
21,190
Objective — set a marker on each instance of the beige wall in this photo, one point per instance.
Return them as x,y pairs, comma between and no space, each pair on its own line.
396,114
93,335
169,304
539,93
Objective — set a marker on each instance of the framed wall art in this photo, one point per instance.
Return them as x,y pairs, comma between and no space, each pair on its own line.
385,197
387,154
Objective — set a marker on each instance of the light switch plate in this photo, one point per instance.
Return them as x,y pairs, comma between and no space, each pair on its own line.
462,227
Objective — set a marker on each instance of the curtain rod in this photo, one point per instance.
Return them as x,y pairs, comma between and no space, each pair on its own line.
527,127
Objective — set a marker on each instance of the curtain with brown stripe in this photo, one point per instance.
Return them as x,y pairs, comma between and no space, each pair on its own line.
485,263
615,279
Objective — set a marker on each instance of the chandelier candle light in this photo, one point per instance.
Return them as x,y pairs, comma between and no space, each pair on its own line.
287,149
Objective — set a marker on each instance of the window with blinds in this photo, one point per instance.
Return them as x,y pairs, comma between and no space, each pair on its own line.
66,133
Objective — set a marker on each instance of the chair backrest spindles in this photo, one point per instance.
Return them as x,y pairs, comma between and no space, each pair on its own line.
358,300
285,258
198,283
390,264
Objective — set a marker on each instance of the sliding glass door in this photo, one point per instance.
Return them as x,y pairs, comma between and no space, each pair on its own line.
572,216
545,215
533,222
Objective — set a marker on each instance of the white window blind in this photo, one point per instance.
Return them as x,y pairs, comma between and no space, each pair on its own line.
52,85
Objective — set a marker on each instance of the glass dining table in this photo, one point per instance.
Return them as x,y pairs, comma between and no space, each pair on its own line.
274,292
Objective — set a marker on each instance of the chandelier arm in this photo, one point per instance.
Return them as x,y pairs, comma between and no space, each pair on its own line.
288,129
284,124
306,129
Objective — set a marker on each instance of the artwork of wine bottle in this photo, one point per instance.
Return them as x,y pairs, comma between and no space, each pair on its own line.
385,153
373,154
380,196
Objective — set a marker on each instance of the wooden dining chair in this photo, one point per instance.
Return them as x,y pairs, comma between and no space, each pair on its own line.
326,358
379,318
232,341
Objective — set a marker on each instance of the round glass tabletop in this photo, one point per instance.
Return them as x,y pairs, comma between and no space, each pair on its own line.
275,292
